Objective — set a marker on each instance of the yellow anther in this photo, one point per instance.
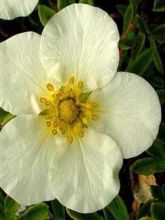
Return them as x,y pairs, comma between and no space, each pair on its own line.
95,117
47,103
54,131
55,123
94,104
61,128
48,123
80,133
50,87
80,84
85,121
70,139
71,80
43,100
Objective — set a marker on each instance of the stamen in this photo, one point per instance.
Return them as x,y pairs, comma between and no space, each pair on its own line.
71,80
80,84
95,117
50,87
69,139
43,100
48,123
54,131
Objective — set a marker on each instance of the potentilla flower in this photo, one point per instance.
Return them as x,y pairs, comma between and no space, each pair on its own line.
75,114
10,9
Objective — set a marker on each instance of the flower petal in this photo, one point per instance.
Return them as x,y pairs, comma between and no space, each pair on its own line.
84,39
26,150
22,77
10,9
130,113
85,177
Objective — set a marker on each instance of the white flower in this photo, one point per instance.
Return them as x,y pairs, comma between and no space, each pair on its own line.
10,9
73,112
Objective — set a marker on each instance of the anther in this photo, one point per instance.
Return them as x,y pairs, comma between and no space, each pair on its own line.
54,131
48,123
43,100
50,87
85,121
71,80
95,117
80,133
70,139
80,84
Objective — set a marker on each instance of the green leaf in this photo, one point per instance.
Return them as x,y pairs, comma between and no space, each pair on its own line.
78,216
36,212
156,57
63,3
3,114
158,33
147,166
159,5
158,192
107,214
139,22
158,210
10,207
58,209
89,2
142,62
2,198
45,13
157,149
138,45
2,216
161,94
145,209
128,17
121,9
118,209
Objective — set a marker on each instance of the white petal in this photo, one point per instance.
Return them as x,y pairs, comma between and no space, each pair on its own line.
130,113
22,77
85,177
84,39
10,9
26,150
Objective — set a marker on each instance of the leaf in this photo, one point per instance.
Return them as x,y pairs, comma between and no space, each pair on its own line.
10,207
118,209
3,114
158,210
158,33
157,149
138,45
121,9
142,62
89,2
107,214
58,209
63,3
128,16
158,192
145,209
78,216
139,22
147,166
159,5
45,13
2,216
161,94
2,198
156,58
36,212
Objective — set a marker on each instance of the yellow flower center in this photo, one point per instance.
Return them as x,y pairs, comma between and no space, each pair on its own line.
67,109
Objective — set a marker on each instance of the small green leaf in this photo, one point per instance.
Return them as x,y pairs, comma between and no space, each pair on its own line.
139,22
10,207
45,13
121,9
158,33
63,3
118,209
158,210
128,17
36,212
157,149
2,198
138,45
89,2
159,5
142,62
2,216
147,166
78,216
58,209
161,94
